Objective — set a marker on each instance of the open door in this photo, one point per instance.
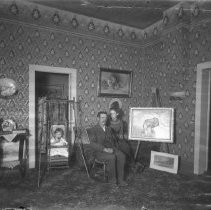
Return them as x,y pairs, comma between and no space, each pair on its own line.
33,69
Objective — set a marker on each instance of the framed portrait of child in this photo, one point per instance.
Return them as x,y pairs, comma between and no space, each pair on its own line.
58,135
58,141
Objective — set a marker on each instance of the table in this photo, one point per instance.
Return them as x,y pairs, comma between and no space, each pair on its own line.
14,149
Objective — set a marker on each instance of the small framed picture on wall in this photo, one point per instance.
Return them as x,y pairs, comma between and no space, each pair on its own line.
114,83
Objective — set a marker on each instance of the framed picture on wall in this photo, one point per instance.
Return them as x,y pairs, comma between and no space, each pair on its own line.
114,83
164,162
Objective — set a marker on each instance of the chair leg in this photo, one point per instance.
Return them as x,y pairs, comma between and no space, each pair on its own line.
84,160
104,168
91,168
93,165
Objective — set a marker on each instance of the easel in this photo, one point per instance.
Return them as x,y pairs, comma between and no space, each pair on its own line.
45,127
154,102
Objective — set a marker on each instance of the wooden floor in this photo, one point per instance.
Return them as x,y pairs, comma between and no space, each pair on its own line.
72,189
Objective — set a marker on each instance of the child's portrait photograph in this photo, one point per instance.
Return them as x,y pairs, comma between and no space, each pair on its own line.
58,135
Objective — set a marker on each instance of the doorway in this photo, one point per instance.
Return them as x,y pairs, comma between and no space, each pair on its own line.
209,143
49,86
45,81
202,152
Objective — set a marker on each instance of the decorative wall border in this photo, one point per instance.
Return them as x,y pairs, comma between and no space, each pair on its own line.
76,34
172,29
184,14
30,12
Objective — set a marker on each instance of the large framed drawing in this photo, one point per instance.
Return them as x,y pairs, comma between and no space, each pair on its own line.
164,162
114,83
151,124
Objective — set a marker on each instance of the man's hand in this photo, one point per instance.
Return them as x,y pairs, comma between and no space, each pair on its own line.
108,150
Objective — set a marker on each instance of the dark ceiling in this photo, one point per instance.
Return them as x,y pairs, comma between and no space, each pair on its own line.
136,13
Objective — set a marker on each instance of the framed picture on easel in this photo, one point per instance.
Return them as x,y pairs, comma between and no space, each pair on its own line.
151,124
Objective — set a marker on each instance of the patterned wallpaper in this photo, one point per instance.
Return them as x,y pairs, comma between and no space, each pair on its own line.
170,65
22,44
31,34
78,25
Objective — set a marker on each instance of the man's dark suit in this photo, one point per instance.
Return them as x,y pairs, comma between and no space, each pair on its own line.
100,139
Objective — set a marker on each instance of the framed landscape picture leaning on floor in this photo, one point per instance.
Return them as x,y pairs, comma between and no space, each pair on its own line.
151,124
114,83
164,162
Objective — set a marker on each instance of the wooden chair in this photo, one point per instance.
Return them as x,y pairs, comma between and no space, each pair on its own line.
103,165
96,163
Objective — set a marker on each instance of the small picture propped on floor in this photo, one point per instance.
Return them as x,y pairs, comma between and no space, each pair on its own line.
164,162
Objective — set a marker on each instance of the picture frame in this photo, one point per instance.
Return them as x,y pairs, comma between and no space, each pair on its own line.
152,124
164,162
61,128
114,83
115,103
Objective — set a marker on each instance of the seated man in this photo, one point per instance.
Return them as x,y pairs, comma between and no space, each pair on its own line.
102,142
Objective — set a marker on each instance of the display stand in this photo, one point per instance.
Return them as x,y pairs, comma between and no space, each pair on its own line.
54,114
154,102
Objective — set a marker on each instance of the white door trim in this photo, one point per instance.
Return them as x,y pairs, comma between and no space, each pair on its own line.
72,94
201,137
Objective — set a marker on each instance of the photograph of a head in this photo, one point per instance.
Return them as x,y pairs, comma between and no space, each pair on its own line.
58,135
114,82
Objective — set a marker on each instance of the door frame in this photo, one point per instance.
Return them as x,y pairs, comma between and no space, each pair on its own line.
72,77
202,120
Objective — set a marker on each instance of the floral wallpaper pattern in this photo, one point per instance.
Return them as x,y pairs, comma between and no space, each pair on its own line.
170,65
22,44
160,56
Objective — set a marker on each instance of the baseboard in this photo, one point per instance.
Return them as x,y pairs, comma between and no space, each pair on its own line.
185,167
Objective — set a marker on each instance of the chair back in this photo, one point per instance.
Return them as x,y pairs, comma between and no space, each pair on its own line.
89,131
83,136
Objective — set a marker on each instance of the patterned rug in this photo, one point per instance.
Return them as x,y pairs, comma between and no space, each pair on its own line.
72,189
